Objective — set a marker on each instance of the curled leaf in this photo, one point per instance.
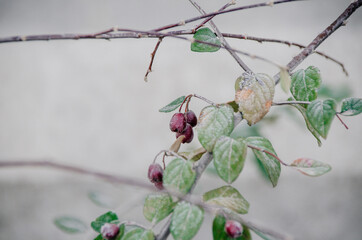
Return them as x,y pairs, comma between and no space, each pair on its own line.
310,167
254,95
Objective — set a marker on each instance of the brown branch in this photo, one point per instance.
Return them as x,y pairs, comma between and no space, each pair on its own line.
289,43
340,21
222,39
209,18
268,152
152,58
181,23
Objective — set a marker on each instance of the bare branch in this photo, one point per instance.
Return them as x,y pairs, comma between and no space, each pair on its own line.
340,21
152,58
289,43
222,39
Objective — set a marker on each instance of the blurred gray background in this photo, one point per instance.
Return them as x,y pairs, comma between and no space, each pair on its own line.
85,103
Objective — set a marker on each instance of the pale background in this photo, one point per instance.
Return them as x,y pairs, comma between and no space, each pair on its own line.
85,103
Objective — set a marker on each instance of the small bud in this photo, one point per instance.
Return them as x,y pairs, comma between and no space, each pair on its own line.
233,229
188,133
155,173
109,230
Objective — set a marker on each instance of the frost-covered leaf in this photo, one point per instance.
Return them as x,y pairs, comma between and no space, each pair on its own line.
214,122
101,199
179,175
138,233
229,156
305,84
285,81
157,207
218,230
351,106
109,217
320,114
205,35
186,221
228,197
270,163
254,96
70,224
173,105
311,167
311,129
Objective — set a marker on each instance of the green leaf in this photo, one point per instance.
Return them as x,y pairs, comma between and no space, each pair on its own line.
99,237
214,122
205,35
285,81
228,197
229,157
218,230
101,199
270,163
310,167
179,175
173,105
138,233
305,83
320,114
311,129
109,217
186,221
157,207
351,106
70,224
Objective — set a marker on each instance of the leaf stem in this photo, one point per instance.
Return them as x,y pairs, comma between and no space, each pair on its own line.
268,152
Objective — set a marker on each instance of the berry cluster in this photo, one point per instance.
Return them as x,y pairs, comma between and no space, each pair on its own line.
182,124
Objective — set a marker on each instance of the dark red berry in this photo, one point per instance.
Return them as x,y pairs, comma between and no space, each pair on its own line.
191,118
159,185
178,122
188,133
155,173
109,230
233,229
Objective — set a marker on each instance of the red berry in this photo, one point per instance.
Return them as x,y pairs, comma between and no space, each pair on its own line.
178,122
191,118
159,185
155,173
188,133
109,230
233,229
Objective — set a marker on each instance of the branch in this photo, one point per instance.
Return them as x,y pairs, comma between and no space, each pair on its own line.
219,34
152,58
181,23
289,43
340,21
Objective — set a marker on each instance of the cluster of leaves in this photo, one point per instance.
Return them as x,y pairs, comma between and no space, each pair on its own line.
319,114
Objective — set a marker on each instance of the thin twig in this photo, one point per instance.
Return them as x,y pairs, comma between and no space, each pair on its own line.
269,153
152,58
289,103
222,39
340,119
183,22
209,18
340,21
289,43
